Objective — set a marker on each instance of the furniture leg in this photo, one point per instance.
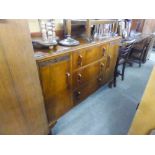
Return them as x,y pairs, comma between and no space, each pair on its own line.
123,70
51,126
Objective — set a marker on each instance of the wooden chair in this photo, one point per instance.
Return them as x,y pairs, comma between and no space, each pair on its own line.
122,60
148,50
137,53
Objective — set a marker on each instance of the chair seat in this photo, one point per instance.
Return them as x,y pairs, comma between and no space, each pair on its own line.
121,61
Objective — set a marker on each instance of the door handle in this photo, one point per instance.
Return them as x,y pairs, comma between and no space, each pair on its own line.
108,61
79,77
80,60
68,75
102,65
78,93
103,51
100,80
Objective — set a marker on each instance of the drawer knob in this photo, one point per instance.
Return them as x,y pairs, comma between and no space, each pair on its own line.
68,78
80,60
100,79
78,93
79,77
101,67
104,50
68,74
108,61
102,64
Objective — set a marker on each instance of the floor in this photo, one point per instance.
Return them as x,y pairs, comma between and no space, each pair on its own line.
108,111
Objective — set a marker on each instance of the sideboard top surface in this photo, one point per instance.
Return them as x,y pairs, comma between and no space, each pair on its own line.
61,50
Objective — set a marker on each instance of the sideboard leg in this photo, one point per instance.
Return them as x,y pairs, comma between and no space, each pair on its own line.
51,126
50,132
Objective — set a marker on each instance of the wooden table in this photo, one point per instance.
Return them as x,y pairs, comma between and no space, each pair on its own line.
135,40
144,120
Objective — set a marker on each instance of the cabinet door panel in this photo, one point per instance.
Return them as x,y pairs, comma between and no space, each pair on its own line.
56,85
111,60
57,105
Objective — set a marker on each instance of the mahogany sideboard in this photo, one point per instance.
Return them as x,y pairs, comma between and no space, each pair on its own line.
69,76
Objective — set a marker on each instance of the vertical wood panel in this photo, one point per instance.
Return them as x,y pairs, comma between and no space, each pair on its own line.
149,26
21,102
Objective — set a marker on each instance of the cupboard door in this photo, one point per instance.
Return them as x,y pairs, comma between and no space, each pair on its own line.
111,60
55,78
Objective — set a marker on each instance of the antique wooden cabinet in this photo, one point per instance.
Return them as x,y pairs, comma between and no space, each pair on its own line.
70,76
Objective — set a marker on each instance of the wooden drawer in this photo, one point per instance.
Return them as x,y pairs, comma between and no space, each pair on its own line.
84,91
88,55
86,74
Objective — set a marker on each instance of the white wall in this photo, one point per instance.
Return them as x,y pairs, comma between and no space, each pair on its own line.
34,25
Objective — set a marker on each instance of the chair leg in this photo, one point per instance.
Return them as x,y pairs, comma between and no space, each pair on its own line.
140,63
115,77
123,70
114,82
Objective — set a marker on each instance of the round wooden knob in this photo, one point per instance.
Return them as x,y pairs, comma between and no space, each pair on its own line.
78,93
104,50
102,65
99,79
80,60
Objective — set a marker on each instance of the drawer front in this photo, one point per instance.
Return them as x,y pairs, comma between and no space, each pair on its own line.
84,91
86,56
84,75
92,54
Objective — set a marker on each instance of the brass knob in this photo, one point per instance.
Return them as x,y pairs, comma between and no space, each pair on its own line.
79,76
102,64
78,93
104,50
100,79
68,81
80,60
68,74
